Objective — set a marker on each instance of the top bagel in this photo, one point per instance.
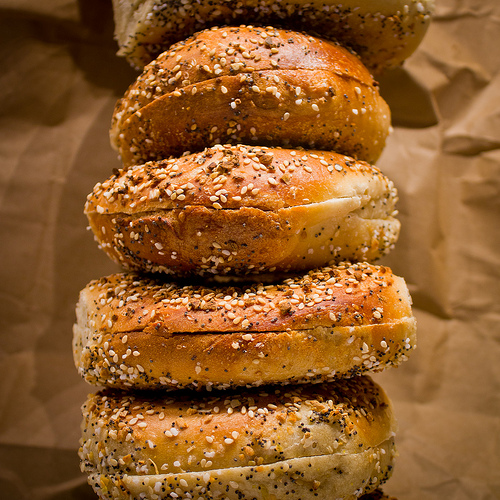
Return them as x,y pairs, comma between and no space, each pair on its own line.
384,33
263,87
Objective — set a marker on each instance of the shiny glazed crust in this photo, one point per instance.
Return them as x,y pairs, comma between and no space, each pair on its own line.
236,210
136,332
311,441
255,86
384,33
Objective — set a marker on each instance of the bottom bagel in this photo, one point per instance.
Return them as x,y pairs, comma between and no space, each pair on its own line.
329,441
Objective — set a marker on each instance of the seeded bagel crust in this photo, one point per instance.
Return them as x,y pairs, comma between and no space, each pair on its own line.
136,332
383,33
255,86
322,441
242,210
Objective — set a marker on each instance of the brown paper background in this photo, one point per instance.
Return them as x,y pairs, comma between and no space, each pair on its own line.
59,80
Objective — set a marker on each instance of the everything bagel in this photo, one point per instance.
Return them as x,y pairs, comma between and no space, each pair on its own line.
383,33
241,210
308,442
134,331
253,86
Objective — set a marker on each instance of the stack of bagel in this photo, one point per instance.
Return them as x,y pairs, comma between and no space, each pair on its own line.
232,352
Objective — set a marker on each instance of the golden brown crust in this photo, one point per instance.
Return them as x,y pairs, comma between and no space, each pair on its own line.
240,210
191,441
384,33
135,332
209,54
254,86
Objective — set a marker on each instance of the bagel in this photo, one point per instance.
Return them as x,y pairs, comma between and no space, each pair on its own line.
384,33
251,85
307,442
136,332
236,210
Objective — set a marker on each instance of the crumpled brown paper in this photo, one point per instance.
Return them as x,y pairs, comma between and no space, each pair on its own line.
59,80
